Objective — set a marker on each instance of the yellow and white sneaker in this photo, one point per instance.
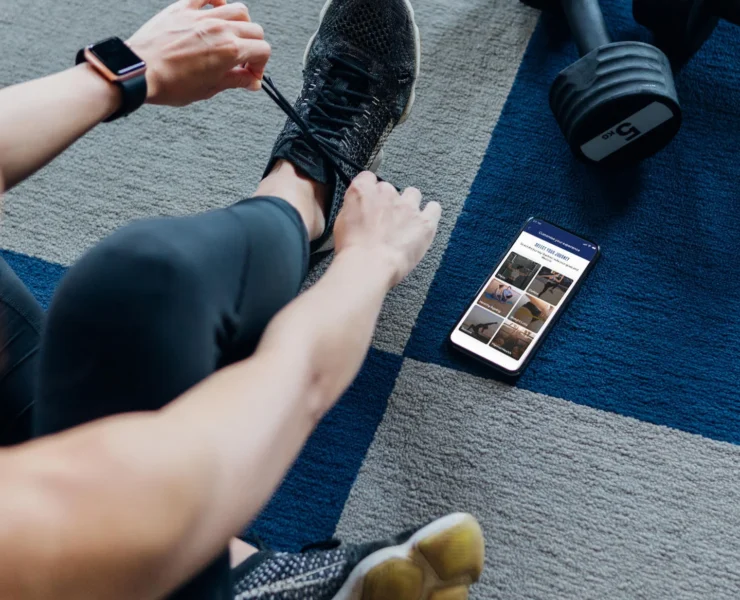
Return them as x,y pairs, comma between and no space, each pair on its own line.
437,562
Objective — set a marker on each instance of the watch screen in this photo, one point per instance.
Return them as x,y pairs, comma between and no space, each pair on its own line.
117,56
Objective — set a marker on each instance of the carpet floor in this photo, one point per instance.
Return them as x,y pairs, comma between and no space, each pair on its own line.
612,467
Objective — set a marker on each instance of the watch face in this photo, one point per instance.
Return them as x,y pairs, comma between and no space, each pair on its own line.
117,57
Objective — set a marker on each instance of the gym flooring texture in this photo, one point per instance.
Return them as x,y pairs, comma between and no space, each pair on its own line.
612,467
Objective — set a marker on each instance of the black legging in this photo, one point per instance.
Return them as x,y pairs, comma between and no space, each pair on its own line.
21,319
159,306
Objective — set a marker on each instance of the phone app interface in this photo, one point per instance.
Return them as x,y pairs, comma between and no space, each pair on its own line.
525,293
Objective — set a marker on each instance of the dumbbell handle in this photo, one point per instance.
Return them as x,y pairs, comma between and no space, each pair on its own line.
729,10
587,24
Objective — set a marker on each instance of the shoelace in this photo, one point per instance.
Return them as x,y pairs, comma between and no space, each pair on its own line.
332,105
327,151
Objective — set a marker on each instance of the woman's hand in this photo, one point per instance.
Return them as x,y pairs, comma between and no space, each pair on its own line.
376,219
194,54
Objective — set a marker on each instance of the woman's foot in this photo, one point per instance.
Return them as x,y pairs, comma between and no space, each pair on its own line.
436,562
360,72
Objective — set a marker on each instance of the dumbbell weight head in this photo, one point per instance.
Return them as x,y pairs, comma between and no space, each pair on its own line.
617,105
682,26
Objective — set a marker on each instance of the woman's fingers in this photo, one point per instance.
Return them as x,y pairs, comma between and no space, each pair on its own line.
254,52
240,78
235,11
247,31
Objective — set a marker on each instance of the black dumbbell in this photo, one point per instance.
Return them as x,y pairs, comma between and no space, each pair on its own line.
617,104
682,26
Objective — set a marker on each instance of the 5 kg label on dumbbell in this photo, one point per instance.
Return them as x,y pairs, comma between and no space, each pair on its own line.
626,132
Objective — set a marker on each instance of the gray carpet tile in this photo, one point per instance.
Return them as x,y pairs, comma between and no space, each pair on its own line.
574,502
164,161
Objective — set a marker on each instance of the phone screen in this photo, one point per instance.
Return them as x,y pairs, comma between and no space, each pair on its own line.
519,303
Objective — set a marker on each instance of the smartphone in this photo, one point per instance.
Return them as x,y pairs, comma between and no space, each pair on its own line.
519,303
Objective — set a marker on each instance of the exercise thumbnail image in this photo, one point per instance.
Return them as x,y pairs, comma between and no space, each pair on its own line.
550,286
481,324
500,297
518,271
530,312
512,340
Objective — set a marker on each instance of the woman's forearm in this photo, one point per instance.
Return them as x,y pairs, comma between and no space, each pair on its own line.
254,417
41,118
136,504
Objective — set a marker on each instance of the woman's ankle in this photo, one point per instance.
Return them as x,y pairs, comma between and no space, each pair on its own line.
307,196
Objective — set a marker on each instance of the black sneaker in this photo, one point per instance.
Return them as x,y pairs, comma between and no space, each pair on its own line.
440,561
360,72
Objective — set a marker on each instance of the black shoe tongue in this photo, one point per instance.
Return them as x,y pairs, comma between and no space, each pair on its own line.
344,79
354,61
306,160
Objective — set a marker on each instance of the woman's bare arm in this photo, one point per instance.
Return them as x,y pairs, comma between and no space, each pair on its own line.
132,506
191,55
41,118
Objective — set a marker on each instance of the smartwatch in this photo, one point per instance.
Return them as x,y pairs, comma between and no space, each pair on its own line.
120,65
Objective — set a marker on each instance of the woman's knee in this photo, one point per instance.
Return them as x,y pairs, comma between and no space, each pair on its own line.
134,266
